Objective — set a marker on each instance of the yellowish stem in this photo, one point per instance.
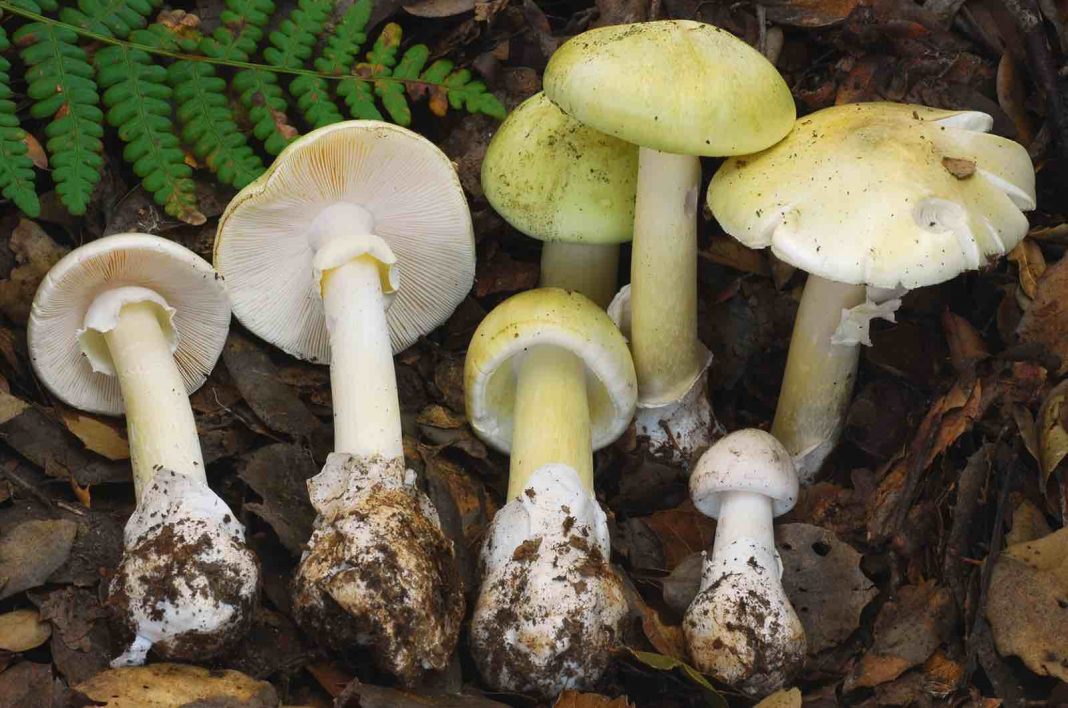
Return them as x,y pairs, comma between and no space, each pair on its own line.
552,417
584,268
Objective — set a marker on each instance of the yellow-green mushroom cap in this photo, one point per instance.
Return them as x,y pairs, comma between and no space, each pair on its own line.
556,317
675,86
555,179
882,194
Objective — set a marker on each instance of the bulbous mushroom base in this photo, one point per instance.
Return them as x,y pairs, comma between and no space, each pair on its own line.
744,632
677,431
379,573
188,582
550,610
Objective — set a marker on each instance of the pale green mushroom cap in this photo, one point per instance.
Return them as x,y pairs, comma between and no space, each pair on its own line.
675,86
555,179
882,194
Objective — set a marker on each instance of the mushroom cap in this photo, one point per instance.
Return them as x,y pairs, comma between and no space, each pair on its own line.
675,85
185,280
747,460
883,194
555,317
555,179
410,190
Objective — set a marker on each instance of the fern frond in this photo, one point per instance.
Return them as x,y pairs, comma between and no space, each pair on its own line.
241,29
293,41
16,168
358,91
392,92
60,82
208,125
138,100
261,95
456,89
112,18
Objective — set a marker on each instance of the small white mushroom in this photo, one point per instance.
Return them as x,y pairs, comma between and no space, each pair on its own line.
356,242
548,378
741,627
882,195
133,323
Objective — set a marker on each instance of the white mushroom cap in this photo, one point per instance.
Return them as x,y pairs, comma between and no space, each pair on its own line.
748,460
378,176
73,364
555,317
675,86
555,179
881,194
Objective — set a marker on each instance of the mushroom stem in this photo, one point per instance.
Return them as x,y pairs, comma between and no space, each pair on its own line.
668,358
819,377
552,417
745,538
363,382
589,269
159,419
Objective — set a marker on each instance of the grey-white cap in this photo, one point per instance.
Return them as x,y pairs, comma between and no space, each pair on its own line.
747,460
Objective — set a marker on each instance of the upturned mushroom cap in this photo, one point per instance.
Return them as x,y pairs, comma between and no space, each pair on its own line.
559,318
74,363
748,460
555,179
882,194
676,86
407,193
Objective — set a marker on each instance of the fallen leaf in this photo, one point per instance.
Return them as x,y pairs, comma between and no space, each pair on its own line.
682,531
667,639
666,663
500,273
36,253
32,551
22,630
959,167
729,252
1032,264
785,698
330,677
810,13
823,579
966,346
362,695
1028,524
1013,99
104,436
439,8
81,641
680,587
909,628
1046,320
1052,435
279,474
29,685
574,699
1027,604
35,151
168,685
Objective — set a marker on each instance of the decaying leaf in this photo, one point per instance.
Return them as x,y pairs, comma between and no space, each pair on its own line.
362,695
1052,432
822,578
23,630
35,252
1028,524
1027,604
1046,320
29,685
32,551
681,585
682,531
168,685
81,641
500,273
730,252
279,474
439,8
908,629
1032,264
666,663
810,13
574,699
786,698
104,436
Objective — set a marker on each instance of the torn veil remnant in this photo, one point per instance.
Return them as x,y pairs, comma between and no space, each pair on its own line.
548,379
741,627
861,196
722,98
356,242
132,324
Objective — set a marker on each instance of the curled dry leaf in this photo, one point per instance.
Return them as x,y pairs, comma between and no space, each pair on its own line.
731,253
23,630
1032,264
1046,321
32,551
168,685
104,436
966,346
1053,430
682,531
35,252
1027,606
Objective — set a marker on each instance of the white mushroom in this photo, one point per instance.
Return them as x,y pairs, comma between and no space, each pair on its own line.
678,90
356,242
549,379
883,195
133,323
741,627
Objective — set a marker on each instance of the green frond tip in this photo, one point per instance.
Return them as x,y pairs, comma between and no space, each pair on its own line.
208,124
293,41
261,95
16,168
392,92
346,39
138,101
111,18
60,83
455,89
241,30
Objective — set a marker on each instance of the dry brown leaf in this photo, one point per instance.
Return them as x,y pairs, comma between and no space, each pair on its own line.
35,151
500,273
330,677
1013,99
943,675
809,13
32,551
104,436
1046,320
1032,264
439,8
667,639
169,685
729,252
966,346
959,167
35,252
1052,435
681,531
1027,604
785,698
574,699
1028,524
23,630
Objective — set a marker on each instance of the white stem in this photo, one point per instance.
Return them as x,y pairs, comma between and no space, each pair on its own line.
159,420
819,377
584,268
745,536
552,417
663,277
362,379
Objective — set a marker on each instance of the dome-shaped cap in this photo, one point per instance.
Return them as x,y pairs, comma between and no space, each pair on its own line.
674,85
560,318
555,179
409,190
883,194
748,460
187,283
